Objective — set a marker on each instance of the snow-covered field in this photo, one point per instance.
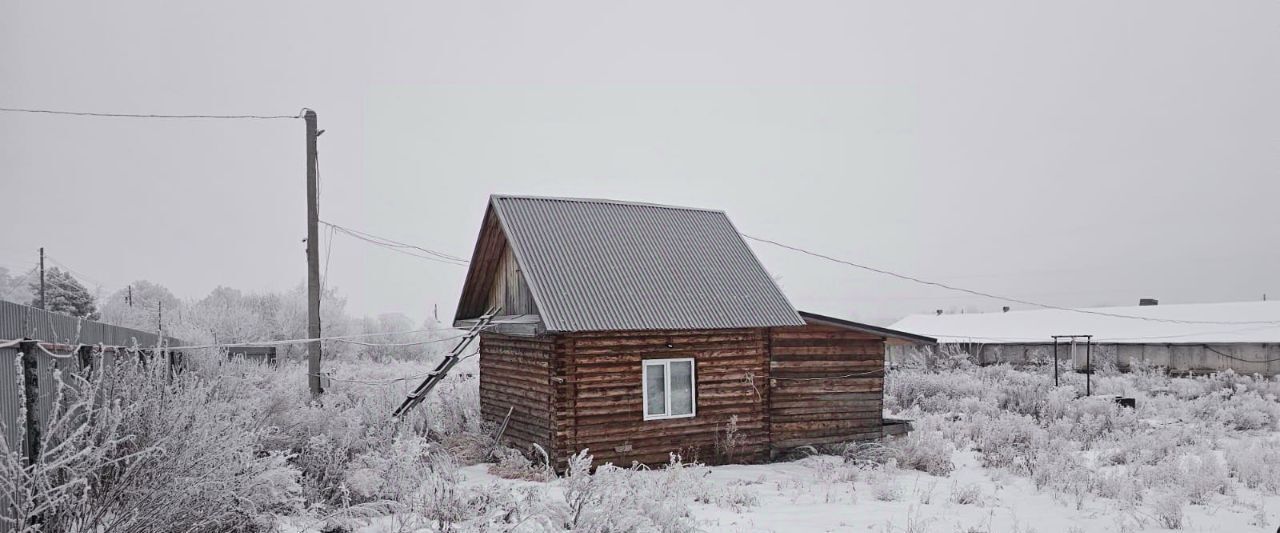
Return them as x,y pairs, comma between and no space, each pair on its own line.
817,494
995,449
241,447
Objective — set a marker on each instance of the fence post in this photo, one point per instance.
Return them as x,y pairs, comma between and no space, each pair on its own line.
85,354
31,395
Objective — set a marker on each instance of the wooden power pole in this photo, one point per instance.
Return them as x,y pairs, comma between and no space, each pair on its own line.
313,258
42,303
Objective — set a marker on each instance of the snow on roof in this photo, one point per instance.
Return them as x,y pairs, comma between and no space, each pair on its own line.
1035,326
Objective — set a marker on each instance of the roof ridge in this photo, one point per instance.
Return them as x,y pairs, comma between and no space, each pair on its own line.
601,201
1106,308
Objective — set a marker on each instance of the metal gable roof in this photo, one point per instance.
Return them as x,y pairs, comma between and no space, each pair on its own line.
599,265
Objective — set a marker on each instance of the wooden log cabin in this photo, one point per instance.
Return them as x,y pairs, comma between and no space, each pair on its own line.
639,330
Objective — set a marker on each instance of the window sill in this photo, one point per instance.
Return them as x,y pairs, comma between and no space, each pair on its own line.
648,418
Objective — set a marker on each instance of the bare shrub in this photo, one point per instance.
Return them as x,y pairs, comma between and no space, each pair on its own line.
728,440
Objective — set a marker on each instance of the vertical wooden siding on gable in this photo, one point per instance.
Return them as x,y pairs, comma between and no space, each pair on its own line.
510,292
828,409
601,397
515,372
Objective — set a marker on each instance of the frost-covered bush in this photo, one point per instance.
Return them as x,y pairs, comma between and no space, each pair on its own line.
1167,510
1170,447
132,446
1256,464
1090,420
1118,485
923,450
511,464
884,486
1010,441
1204,476
967,494
618,499
397,472
931,392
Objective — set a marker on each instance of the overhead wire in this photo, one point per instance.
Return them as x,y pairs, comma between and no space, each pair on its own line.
996,296
144,115
324,277
337,338
395,245
76,272
390,381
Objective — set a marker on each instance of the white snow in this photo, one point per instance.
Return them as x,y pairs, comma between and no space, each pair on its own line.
809,495
1041,324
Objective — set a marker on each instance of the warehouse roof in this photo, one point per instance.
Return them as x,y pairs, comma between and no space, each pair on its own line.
595,265
1237,322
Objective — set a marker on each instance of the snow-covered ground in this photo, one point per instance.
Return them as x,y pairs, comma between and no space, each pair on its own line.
994,449
816,494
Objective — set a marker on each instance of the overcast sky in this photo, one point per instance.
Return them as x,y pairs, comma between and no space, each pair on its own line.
1075,152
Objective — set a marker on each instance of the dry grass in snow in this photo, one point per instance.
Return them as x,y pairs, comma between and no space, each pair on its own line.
240,447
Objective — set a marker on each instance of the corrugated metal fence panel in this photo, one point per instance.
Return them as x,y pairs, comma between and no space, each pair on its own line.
10,392
20,321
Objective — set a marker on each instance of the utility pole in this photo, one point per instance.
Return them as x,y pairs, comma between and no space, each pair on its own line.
42,304
160,316
313,258
130,297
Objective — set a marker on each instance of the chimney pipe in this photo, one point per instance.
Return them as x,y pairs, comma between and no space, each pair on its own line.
1148,301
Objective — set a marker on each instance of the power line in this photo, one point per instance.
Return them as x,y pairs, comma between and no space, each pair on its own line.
324,278
398,246
998,297
100,284
395,380
342,338
136,115
339,338
394,243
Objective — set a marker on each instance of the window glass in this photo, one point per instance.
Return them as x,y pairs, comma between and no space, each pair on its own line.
655,386
681,388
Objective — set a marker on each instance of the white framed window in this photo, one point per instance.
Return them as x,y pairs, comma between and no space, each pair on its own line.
669,389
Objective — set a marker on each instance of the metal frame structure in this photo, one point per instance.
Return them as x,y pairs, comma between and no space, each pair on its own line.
1088,359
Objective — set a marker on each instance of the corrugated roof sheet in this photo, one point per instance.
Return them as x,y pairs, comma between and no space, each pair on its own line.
599,265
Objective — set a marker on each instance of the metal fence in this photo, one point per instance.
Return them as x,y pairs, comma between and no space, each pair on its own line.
23,322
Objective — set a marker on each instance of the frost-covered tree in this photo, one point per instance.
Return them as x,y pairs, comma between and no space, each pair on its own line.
64,294
13,286
150,303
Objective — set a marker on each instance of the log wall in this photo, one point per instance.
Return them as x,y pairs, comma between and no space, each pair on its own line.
584,390
599,402
516,372
809,405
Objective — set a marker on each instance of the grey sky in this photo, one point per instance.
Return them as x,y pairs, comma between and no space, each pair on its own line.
1074,152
